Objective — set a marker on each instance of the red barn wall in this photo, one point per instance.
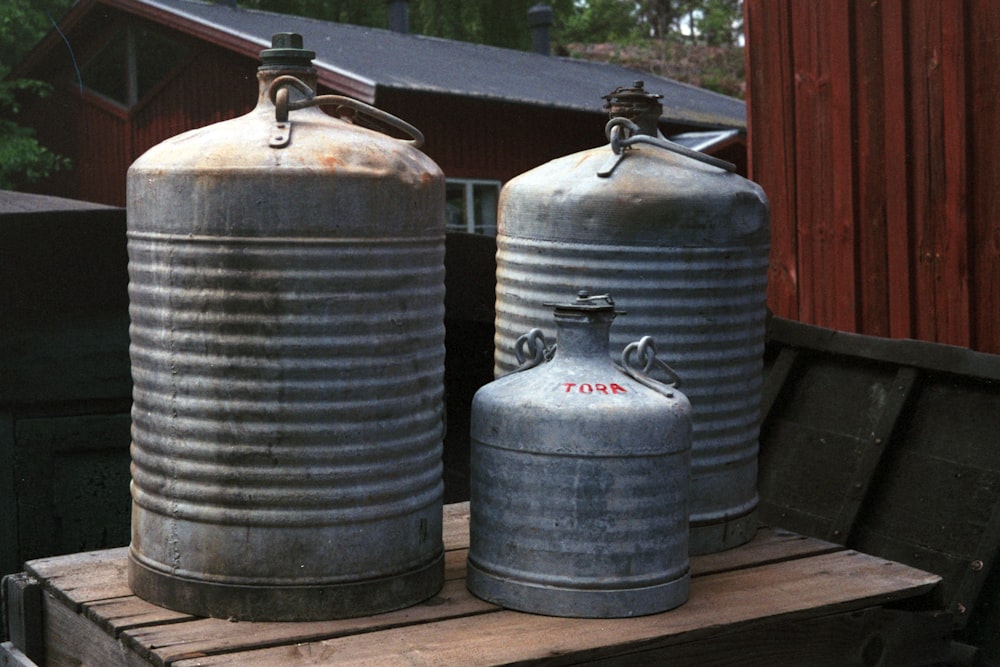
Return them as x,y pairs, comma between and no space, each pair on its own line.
873,127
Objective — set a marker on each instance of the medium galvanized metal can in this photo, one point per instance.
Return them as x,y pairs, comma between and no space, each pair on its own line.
287,344
683,245
579,479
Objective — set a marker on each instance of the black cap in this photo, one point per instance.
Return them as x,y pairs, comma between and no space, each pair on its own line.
286,51
585,302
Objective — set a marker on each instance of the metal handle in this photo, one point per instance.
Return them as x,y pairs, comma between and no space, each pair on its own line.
616,128
530,350
639,358
278,93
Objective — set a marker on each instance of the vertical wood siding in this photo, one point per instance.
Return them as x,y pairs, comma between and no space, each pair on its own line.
873,128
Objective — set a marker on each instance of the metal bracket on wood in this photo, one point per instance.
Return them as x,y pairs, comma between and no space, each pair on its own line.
864,473
22,607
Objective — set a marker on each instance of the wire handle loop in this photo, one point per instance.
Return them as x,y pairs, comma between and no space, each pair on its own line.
279,95
530,350
616,127
639,358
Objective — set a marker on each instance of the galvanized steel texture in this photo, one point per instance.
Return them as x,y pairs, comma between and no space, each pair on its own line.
579,481
288,358
683,247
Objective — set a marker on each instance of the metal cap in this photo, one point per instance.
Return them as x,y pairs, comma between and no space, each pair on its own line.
633,102
286,51
586,303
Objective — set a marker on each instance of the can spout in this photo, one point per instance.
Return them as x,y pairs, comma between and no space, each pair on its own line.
633,102
286,52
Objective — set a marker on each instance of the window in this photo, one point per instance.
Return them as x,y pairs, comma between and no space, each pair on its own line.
134,60
471,205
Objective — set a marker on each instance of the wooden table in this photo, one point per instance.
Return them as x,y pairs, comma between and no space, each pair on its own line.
780,600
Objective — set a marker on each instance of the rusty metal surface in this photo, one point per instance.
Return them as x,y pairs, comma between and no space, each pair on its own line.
683,246
579,479
287,350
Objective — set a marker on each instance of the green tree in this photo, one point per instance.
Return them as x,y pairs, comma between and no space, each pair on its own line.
23,160
598,21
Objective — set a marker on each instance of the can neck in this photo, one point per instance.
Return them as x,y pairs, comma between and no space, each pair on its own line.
267,75
583,334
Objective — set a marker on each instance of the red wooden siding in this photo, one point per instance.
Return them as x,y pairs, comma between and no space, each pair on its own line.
873,128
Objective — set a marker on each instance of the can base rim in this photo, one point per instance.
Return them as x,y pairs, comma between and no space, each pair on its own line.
286,603
710,538
575,602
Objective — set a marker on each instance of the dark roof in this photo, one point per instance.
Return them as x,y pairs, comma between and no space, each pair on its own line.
360,61
19,203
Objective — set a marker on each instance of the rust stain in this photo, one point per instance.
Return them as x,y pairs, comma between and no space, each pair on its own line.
332,161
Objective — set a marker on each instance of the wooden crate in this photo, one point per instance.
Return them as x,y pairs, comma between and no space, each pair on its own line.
782,599
889,447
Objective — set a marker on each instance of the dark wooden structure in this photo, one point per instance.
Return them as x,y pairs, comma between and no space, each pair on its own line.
486,112
873,129
779,600
890,447
65,386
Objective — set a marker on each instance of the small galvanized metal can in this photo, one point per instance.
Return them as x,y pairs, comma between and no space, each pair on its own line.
287,344
579,478
682,243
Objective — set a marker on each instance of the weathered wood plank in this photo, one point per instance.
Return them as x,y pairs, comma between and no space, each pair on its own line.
811,145
71,640
854,639
804,470
84,577
984,172
928,356
837,273
770,128
872,162
114,615
22,604
455,526
775,379
871,454
11,656
897,148
178,641
88,580
167,644
770,545
826,584
952,238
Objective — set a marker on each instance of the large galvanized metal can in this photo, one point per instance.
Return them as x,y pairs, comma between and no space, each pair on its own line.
287,344
683,245
579,479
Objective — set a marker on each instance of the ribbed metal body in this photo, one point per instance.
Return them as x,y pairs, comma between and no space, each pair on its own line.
287,351
579,485
683,246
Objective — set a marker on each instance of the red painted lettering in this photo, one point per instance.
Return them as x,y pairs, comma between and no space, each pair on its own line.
593,388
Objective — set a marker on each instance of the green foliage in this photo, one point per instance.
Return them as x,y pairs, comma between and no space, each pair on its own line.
22,159
599,21
720,22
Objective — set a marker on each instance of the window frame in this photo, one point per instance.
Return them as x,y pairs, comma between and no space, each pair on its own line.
469,200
